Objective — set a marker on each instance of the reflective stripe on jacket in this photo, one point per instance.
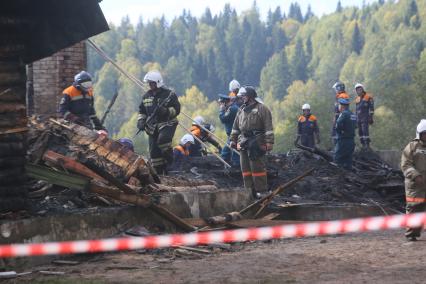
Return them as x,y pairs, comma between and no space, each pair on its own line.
413,164
77,103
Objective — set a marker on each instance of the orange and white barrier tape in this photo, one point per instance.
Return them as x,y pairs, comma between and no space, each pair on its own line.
227,236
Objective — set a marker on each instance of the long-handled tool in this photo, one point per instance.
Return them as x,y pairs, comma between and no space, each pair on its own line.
212,134
141,85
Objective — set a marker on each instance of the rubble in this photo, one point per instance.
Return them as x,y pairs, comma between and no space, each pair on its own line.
82,169
372,181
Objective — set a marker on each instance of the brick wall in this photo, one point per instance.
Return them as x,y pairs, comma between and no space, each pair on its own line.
53,74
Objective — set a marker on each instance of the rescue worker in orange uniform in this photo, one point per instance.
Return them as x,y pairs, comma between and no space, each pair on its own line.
197,149
77,103
307,128
339,88
364,112
234,88
181,152
413,166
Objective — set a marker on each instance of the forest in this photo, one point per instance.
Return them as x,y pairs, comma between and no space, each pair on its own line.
291,57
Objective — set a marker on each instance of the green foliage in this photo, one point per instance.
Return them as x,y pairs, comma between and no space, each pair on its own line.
294,60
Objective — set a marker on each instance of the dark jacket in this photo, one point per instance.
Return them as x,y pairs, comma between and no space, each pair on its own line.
227,117
364,107
76,102
345,125
151,100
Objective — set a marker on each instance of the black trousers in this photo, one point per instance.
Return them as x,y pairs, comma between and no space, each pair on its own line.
160,148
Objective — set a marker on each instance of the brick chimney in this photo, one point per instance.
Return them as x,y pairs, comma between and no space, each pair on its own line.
52,75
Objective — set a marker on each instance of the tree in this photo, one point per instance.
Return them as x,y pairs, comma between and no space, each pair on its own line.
295,12
309,14
357,41
275,76
299,62
339,8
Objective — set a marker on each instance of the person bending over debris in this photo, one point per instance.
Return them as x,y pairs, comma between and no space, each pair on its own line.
158,113
307,127
228,110
181,152
413,165
77,103
364,112
197,149
339,88
345,130
128,143
253,134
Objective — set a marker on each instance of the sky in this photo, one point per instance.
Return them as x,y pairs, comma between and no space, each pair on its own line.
115,10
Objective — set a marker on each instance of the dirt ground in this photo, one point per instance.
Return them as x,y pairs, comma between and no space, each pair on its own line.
382,257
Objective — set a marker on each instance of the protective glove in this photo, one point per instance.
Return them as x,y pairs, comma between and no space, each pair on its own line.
97,123
419,181
141,124
370,120
219,149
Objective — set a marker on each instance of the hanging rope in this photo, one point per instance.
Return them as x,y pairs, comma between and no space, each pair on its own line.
142,86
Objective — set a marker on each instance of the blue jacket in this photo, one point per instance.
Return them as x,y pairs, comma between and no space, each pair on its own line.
345,125
227,117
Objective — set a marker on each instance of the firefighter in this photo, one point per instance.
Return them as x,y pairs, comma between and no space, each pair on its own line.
197,149
364,111
234,87
413,165
228,109
339,89
252,133
77,103
345,130
181,152
158,113
307,128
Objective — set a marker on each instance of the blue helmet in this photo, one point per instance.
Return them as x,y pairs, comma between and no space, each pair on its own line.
343,101
223,98
127,143
339,87
82,77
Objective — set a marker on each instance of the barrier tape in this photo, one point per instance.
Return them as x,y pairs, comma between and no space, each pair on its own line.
227,236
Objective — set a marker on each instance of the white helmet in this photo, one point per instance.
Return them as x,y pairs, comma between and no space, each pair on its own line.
306,106
154,76
359,85
242,92
421,128
233,85
198,120
187,138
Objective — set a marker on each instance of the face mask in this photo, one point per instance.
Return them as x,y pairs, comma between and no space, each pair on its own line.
87,85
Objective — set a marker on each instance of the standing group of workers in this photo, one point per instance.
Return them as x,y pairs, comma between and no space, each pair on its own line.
248,125
344,124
